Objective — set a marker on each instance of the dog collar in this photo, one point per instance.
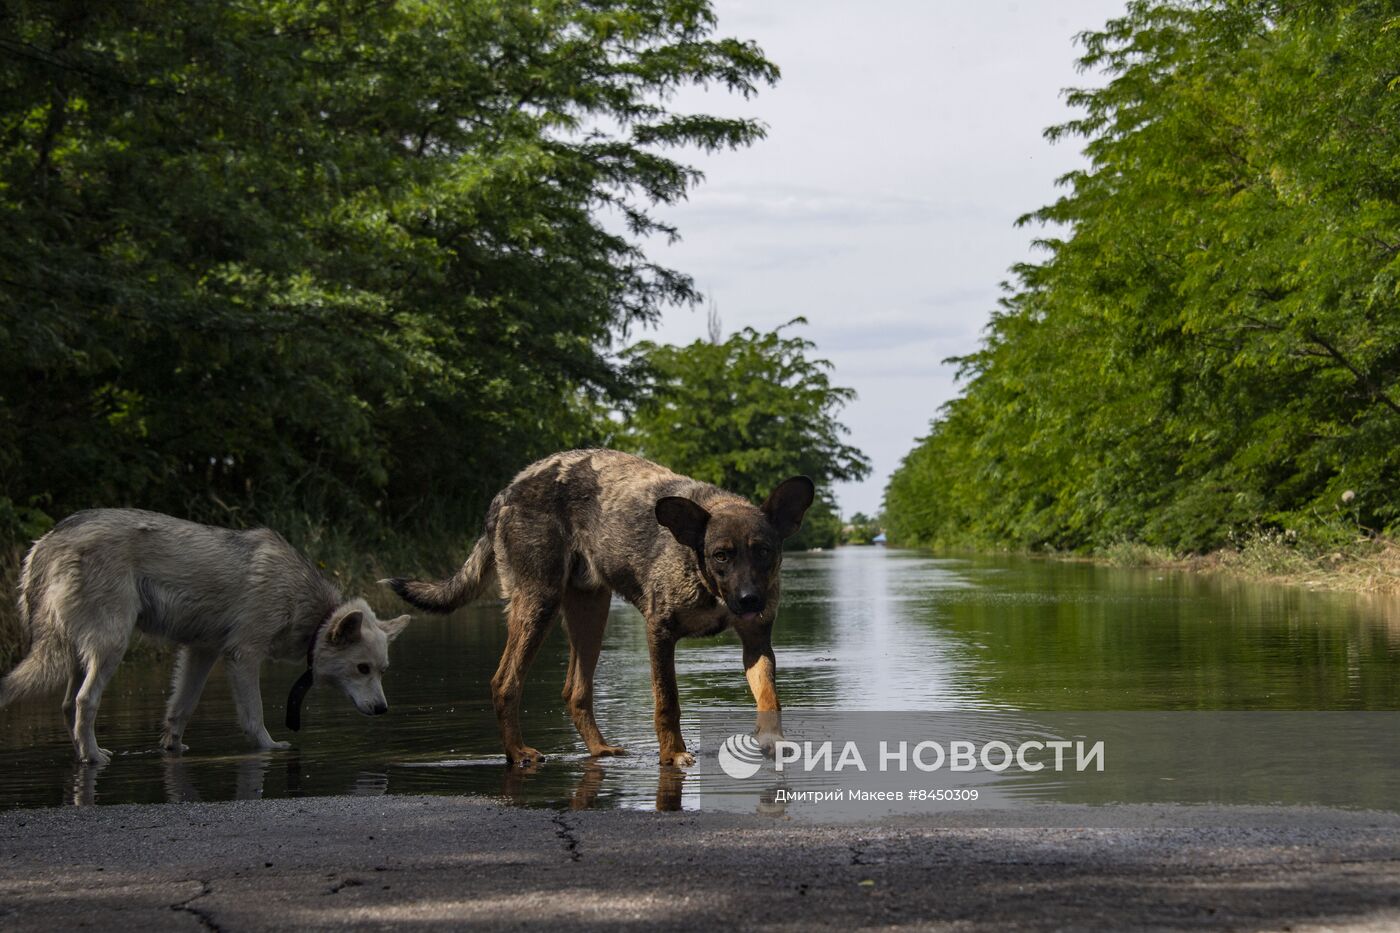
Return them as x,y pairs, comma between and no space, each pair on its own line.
307,679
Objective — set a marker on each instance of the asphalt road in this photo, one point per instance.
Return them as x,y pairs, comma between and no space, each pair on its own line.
443,862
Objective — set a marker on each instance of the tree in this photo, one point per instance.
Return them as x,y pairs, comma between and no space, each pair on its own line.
347,259
745,414
860,529
1214,342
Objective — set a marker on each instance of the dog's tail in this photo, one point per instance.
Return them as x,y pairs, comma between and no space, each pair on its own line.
457,590
44,668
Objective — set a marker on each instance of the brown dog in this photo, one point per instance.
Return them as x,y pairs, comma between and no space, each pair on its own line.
574,528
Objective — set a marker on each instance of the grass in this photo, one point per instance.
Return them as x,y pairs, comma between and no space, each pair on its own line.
13,640
1135,554
1354,561
356,565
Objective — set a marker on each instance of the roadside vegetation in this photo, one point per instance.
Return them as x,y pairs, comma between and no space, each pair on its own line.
862,529
343,269
1207,360
1361,563
251,268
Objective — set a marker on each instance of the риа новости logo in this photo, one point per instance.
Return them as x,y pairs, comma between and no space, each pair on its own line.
740,756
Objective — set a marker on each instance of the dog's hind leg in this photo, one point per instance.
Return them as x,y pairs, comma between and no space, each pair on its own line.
570,672
528,618
243,678
100,666
98,616
191,671
70,695
586,618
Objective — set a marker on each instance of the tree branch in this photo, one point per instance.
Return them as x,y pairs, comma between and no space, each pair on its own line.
1365,380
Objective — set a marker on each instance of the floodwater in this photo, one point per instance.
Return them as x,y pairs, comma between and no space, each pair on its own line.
861,629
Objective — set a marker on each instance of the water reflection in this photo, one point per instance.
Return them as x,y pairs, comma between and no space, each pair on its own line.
883,654
84,783
860,629
249,772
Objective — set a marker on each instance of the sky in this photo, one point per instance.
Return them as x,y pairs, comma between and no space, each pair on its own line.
904,140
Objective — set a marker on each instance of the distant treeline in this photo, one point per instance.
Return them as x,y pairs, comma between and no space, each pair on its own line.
349,264
1213,343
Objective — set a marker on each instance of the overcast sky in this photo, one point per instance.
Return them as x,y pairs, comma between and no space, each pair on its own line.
904,141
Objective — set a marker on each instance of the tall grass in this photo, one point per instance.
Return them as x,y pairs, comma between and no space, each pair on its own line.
1335,555
13,639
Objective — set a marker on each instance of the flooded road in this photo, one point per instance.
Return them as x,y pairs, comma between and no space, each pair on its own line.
861,629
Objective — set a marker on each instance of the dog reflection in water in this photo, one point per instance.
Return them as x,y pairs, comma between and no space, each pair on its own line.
518,785
181,776
249,773
178,778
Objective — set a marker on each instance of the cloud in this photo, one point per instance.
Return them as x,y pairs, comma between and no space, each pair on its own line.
796,204
904,140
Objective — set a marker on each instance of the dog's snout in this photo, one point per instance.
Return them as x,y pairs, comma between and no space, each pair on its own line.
381,708
750,602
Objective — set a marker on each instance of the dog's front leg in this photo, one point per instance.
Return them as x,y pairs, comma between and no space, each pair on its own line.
761,668
243,671
662,645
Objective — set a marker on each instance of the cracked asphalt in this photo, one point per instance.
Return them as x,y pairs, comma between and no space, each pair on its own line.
439,862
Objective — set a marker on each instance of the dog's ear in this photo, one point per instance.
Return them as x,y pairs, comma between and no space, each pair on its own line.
685,519
346,629
393,628
786,505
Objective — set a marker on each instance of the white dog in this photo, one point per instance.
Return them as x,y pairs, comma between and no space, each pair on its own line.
216,592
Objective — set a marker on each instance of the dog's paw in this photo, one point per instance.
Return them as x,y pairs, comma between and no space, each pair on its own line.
768,742
678,759
96,756
275,746
525,757
603,751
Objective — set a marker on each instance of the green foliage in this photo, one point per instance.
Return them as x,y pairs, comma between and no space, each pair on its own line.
347,260
745,414
1213,342
861,529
